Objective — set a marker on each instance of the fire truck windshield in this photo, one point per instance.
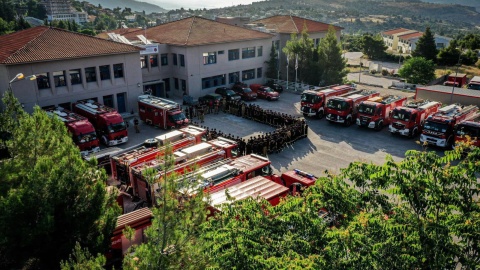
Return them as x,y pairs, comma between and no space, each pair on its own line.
463,130
401,115
366,109
83,138
339,105
117,127
435,126
308,98
177,117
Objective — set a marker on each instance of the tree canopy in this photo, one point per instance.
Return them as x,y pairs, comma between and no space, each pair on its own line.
49,197
332,64
426,46
418,70
373,46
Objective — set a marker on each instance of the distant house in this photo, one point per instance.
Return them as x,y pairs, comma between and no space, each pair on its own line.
404,40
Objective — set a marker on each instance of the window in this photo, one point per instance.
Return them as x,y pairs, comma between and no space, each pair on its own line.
59,78
108,101
104,72
143,62
175,60
233,77
316,42
43,82
164,59
248,52
182,60
209,58
154,60
91,74
233,54
175,83
260,51
259,72
184,84
248,74
118,71
221,52
75,76
213,81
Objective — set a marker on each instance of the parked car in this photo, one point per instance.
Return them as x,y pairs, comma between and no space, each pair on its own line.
264,92
227,93
208,97
275,86
244,91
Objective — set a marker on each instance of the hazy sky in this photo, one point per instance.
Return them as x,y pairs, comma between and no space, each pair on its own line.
196,4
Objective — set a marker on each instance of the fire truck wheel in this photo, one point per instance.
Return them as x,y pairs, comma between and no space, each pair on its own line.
295,188
305,115
348,122
413,133
150,142
320,114
450,143
379,126
104,140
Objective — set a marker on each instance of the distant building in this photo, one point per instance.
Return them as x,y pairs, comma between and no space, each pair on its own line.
61,10
196,55
237,21
69,67
403,40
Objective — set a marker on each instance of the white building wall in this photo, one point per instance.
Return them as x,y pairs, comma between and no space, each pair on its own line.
29,93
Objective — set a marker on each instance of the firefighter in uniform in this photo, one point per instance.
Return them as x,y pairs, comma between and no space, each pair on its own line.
135,125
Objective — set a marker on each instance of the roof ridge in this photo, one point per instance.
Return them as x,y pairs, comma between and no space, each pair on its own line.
25,45
85,35
190,30
291,18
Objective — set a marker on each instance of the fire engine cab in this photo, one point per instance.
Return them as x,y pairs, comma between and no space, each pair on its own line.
160,112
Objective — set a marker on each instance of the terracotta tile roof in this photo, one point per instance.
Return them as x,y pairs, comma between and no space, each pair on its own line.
120,31
395,31
411,35
43,43
293,24
194,31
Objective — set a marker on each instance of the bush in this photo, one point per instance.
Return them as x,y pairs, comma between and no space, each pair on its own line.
373,71
384,72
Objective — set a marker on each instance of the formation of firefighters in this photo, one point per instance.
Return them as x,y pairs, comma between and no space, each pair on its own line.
289,129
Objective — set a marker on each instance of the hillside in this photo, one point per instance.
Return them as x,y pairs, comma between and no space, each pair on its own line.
134,5
471,3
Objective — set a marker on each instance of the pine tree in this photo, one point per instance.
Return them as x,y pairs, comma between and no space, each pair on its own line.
426,47
332,64
49,197
272,63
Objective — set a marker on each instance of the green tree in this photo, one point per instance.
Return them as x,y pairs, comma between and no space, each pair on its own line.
426,46
272,64
301,48
49,197
331,62
373,46
81,259
449,56
7,11
470,41
469,57
179,209
418,70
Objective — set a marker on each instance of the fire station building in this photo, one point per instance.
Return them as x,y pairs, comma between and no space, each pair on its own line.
69,67
191,56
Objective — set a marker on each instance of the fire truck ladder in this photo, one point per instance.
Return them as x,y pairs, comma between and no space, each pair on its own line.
205,169
417,103
390,99
456,111
65,116
160,102
93,107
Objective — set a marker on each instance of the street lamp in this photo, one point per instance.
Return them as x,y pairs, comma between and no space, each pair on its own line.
360,73
20,77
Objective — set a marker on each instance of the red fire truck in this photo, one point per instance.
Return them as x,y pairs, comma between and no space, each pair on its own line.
408,120
438,128
123,161
469,127
108,122
375,112
82,131
257,187
199,133
139,220
230,147
313,101
160,112
343,109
